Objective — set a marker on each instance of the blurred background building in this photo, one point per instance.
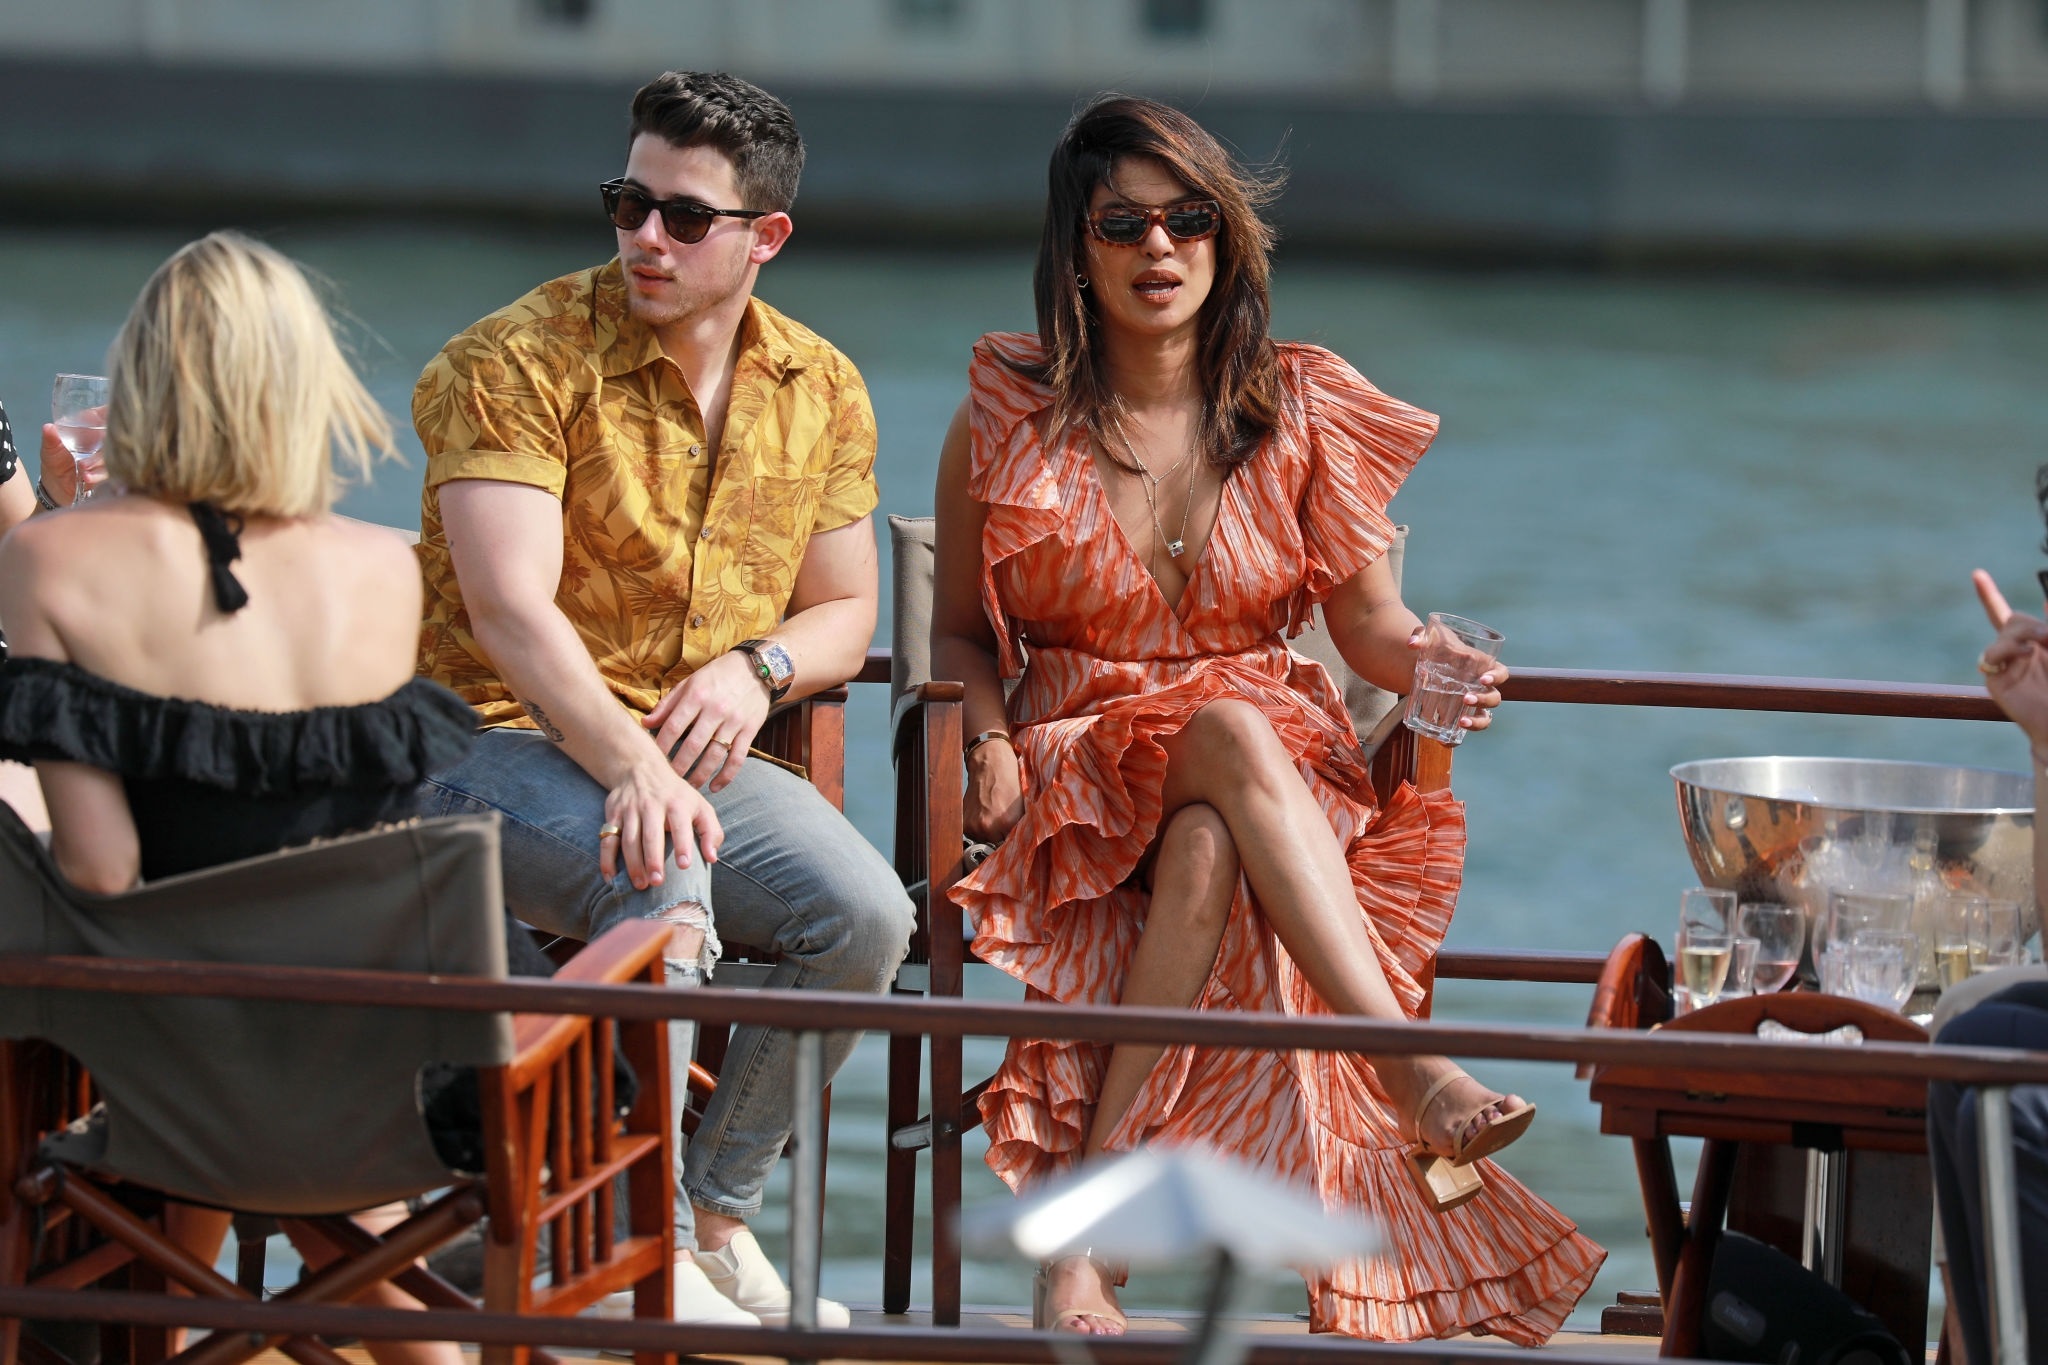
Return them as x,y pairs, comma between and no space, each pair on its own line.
1893,132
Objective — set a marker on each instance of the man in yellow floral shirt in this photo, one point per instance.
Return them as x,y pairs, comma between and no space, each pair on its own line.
646,519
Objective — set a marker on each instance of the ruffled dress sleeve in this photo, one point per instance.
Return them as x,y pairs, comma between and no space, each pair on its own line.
60,712
1362,444
1009,471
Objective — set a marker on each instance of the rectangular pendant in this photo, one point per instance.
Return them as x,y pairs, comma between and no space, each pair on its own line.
1174,547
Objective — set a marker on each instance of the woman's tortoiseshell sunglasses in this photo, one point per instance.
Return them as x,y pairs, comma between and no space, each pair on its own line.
1127,224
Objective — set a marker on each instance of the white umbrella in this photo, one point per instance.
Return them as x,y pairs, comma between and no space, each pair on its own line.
1166,1206
1159,1207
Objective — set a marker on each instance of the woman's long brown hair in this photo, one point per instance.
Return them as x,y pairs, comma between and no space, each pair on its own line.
1238,371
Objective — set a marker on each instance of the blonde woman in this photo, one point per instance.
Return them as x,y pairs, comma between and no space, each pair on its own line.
206,664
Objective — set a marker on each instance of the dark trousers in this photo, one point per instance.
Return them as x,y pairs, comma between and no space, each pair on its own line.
2016,1019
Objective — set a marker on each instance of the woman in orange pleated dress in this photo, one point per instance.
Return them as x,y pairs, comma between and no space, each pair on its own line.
1136,508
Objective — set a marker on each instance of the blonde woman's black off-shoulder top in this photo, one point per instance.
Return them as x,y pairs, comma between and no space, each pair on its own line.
211,784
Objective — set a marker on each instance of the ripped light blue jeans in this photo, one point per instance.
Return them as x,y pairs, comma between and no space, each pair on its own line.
793,875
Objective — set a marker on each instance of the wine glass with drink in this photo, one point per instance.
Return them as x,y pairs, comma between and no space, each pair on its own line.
1780,934
78,409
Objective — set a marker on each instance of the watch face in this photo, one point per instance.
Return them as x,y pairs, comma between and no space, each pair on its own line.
781,668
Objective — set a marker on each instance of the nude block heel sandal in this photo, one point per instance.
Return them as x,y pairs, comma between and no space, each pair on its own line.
1041,1295
1448,1181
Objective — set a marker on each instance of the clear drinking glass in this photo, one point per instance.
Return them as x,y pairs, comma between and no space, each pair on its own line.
1850,912
1780,934
1705,944
78,409
1455,653
1883,966
1832,965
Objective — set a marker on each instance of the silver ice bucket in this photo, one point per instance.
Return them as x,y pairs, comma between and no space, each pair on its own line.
1796,829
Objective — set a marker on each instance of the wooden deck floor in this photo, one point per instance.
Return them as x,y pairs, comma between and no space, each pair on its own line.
1619,1347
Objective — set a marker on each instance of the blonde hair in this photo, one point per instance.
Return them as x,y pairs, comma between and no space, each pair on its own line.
227,386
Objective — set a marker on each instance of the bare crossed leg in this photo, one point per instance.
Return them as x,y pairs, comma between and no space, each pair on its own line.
1194,878
1234,801
1229,758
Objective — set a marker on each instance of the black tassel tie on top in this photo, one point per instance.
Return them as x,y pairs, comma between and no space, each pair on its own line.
222,532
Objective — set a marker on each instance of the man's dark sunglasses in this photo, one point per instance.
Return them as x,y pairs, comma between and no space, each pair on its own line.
1127,224
686,220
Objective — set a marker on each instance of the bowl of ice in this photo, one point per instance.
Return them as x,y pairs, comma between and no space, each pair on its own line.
1796,829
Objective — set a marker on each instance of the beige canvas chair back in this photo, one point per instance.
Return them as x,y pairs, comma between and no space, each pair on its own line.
910,650
1368,704
261,1106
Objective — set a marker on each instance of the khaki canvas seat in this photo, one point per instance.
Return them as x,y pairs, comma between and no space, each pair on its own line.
311,1112
931,854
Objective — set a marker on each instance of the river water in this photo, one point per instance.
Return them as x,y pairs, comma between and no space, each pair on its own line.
1700,475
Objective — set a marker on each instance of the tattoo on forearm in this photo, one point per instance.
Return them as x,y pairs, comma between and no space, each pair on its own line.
540,718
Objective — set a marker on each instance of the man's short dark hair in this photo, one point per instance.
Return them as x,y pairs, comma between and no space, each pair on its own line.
754,129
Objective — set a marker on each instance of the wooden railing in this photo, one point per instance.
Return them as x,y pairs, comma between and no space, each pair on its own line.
1708,691
802,1011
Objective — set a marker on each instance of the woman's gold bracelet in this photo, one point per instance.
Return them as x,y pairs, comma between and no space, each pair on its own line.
967,750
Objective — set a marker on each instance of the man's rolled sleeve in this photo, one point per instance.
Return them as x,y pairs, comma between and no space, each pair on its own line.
501,465
490,412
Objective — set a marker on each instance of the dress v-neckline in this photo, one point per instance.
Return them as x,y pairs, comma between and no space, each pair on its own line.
1173,608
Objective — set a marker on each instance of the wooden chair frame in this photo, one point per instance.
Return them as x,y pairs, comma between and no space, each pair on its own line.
1752,1172
553,1158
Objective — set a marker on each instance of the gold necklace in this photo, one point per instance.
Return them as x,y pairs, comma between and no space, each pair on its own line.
1148,484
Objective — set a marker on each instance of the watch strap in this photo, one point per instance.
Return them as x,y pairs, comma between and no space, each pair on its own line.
752,649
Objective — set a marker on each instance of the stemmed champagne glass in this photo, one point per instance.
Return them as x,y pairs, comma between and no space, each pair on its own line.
1705,940
1959,913
78,409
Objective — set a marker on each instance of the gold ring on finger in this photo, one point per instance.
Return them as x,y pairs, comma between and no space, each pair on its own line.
607,831
1987,668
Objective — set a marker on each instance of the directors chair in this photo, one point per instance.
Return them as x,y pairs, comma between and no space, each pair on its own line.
309,1113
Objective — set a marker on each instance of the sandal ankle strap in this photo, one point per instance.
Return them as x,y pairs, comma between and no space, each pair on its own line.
1443,1083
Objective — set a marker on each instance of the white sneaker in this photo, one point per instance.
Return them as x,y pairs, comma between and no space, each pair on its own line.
742,1272
696,1301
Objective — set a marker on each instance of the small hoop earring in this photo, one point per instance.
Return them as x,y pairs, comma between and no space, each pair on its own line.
1081,281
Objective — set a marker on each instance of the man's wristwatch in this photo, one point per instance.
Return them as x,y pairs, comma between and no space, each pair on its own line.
772,665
